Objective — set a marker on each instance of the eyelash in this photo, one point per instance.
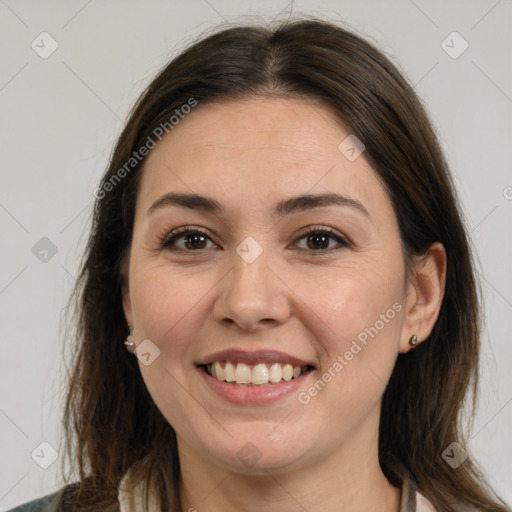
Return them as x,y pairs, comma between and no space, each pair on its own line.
167,241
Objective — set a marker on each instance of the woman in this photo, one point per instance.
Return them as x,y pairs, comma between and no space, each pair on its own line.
277,308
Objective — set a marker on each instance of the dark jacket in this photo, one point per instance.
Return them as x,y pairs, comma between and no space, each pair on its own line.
47,503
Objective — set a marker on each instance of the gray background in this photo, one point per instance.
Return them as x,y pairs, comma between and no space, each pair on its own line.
60,116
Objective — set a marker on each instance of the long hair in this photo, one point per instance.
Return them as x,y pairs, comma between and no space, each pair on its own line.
110,419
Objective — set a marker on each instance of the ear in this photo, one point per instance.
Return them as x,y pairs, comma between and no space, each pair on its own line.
125,290
424,295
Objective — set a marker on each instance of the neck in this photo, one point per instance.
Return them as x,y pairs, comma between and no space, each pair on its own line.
348,479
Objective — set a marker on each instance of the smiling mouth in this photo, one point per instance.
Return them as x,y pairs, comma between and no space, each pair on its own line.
260,374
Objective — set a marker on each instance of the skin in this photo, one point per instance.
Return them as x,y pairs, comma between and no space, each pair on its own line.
248,155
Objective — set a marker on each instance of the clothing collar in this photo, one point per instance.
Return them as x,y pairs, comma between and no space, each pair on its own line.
413,501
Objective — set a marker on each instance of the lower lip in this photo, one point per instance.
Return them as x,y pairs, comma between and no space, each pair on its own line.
242,394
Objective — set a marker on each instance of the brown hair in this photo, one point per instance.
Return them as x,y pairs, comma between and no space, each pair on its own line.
110,419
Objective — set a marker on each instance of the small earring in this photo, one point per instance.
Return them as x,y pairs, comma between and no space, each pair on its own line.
129,344
414,340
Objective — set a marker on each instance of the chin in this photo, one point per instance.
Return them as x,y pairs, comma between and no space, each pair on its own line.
254,453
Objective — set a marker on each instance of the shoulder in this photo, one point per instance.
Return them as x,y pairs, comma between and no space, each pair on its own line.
63,500
48,503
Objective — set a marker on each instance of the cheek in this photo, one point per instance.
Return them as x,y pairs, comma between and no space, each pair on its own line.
169,309
167,304
356,318
350,299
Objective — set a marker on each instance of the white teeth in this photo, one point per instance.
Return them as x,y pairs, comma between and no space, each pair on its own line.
260,374
243,374
219,372
276,374
287,372
229,372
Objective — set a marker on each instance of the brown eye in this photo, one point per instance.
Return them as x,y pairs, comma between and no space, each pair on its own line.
194,241
186,240
318,240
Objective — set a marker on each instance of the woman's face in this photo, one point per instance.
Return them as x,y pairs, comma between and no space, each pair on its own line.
282,272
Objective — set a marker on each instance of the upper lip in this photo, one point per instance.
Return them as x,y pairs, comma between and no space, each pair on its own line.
258,356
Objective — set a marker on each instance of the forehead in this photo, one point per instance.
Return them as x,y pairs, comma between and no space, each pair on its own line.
256,149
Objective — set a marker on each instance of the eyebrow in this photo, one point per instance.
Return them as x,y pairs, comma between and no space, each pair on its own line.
285,207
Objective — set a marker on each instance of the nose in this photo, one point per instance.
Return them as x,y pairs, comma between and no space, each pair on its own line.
252,296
